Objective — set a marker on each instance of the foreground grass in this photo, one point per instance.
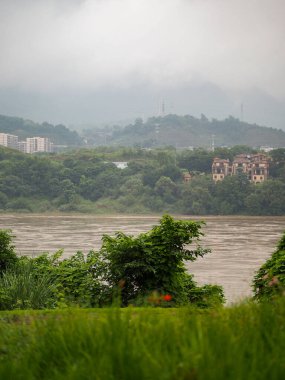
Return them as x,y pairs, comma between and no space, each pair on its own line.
241,342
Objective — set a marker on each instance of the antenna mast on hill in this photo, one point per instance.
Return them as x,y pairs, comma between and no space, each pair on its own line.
213,143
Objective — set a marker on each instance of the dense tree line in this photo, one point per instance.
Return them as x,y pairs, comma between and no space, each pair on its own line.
89,181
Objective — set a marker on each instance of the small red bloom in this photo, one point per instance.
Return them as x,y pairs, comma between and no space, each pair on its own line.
167,297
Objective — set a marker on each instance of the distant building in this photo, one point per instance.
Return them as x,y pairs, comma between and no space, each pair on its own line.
31,145
121,165
220,169
259,168
266,149
241,164
38,144
22,146
187,177
10,141
254,166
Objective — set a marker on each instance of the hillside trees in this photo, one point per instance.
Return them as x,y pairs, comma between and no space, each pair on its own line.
277,166
230,194
59,134
267,198
152,182
184,131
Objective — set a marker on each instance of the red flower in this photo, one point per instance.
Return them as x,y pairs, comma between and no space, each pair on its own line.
167,297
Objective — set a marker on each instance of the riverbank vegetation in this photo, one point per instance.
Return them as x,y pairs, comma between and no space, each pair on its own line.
240,342
180,331
145,270
90,181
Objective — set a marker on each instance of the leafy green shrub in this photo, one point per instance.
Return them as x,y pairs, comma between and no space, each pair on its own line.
154,261
76,279
270,278
22,288
206,296
8,257
146,270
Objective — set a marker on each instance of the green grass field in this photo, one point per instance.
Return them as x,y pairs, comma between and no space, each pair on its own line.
246,341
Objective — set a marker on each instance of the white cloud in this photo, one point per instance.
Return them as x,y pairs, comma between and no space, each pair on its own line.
94,43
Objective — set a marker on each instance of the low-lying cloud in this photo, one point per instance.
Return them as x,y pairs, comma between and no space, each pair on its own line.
59,45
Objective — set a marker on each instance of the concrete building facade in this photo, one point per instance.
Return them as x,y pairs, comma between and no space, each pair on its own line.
220,169
30,145
254,166
38,144
10,141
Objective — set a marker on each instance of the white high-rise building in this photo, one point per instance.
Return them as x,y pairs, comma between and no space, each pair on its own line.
10,141
22,146
38,144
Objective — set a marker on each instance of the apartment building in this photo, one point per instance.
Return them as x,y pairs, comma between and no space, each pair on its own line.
254,166
38,144
30,145
220,169
10,141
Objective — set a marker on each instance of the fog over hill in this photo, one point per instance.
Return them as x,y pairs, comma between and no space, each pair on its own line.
82,62
187,131
178,131
79,109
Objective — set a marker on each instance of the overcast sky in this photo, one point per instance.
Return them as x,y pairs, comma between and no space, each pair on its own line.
78,49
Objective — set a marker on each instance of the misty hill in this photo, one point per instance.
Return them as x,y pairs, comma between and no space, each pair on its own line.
58,134
184,131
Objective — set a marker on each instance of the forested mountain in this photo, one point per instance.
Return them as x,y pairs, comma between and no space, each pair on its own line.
58,134
170,130
185,131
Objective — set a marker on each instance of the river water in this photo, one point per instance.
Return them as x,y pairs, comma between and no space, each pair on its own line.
239,244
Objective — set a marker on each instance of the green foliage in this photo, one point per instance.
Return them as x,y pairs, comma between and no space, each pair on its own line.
76,279
267,198
241,342
230,194
191,131
88,181
153,261
22,288
131,268
8,257
277,166
270,278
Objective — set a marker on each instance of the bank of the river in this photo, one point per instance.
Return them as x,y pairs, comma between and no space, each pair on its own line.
241,342
239,244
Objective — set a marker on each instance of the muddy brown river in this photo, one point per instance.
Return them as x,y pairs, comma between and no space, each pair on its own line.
239,244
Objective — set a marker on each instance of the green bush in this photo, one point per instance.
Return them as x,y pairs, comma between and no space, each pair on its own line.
8,257
22,288
154,262
148,269
270,278
76,279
